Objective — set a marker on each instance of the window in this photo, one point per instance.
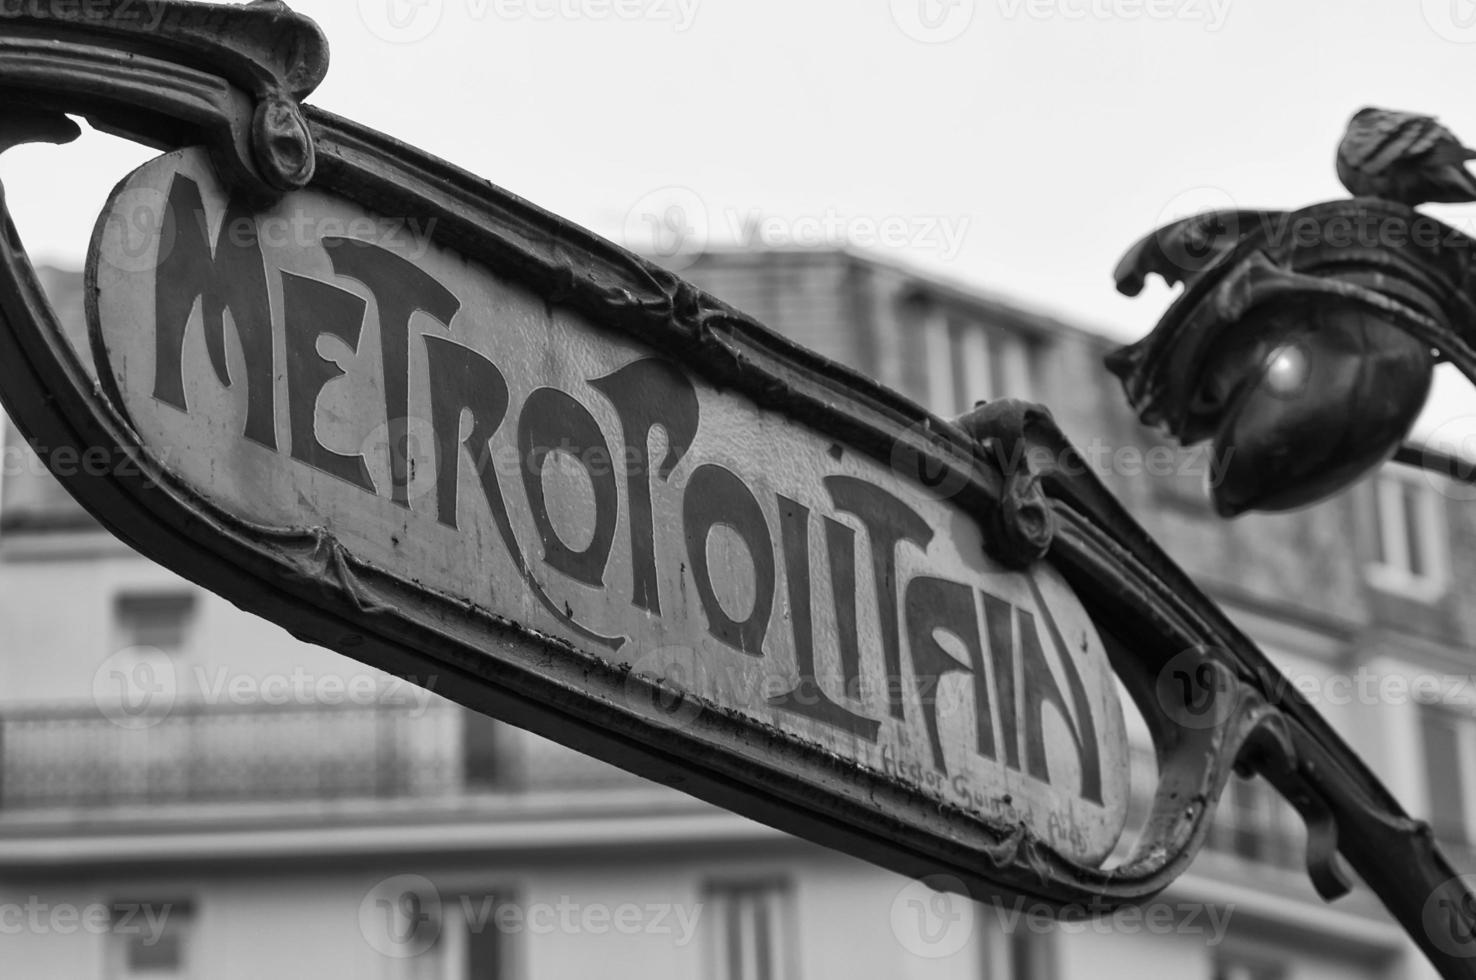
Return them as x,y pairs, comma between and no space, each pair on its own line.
1450,753
1251,821
1233,967
427,932
487,944
149,940
30,498
748,930
9,456
1409,534
968,363
1021,953
159,620
480,766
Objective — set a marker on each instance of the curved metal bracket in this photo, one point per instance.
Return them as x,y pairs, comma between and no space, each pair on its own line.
1214,702
182,84
1289,326
174,73
1385,258
1021,528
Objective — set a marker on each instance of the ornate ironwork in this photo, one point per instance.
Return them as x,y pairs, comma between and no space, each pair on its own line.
1305,341
234,83
1309,338
173,74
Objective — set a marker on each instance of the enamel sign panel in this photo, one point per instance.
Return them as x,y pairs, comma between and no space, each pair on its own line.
312,368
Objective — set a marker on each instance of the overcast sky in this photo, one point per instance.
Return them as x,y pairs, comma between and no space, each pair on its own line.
1016,145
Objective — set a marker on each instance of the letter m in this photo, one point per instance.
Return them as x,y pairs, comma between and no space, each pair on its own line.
229,277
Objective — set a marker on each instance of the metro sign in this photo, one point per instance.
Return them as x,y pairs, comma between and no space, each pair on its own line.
312,369
414,418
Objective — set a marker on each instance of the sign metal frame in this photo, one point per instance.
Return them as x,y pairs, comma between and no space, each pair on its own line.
231,79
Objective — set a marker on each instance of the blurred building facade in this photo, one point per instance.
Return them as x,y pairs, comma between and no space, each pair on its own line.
290,813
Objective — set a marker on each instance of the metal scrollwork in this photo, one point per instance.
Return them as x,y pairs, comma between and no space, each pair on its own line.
1305,342
1022,527
232,79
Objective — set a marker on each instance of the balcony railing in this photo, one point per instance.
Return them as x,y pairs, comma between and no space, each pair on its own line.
77,757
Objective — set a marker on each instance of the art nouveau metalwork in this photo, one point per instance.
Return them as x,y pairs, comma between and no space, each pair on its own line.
229,80
1303,341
